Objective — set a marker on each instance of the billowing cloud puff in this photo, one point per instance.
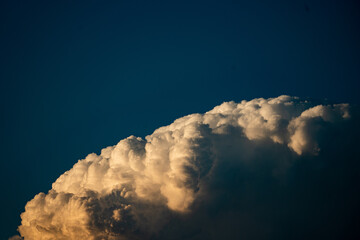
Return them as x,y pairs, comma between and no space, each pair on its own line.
278,168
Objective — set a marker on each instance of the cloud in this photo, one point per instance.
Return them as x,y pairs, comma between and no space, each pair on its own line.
278,168
15,238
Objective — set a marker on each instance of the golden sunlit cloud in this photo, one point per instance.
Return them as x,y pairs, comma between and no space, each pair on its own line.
200,173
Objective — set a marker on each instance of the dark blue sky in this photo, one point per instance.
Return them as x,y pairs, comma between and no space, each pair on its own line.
79,76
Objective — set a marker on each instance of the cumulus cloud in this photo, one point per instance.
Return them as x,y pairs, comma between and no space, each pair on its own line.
277,168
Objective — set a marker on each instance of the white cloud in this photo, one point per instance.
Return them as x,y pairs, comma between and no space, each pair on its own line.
134,189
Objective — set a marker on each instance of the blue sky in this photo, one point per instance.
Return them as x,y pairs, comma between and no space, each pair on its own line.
79,76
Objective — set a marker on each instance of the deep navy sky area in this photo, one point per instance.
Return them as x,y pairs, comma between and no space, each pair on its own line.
77,76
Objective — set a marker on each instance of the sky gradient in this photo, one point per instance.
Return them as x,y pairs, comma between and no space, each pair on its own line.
80,76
